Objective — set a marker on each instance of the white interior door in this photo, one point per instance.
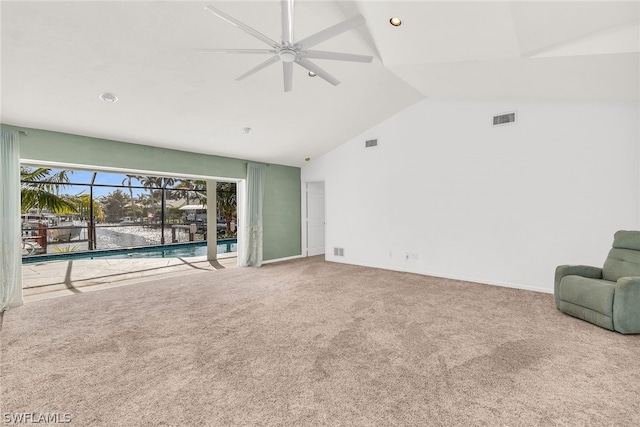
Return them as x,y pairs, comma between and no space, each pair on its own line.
315,218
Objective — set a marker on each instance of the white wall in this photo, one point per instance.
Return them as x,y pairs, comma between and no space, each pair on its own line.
499,205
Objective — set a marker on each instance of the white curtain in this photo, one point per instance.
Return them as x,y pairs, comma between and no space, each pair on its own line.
252,218
10,232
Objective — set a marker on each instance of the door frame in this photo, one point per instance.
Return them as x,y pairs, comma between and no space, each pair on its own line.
305,228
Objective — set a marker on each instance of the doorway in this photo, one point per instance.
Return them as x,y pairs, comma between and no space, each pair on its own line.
315,218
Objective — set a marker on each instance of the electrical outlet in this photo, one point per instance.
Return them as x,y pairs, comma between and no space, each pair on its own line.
414,257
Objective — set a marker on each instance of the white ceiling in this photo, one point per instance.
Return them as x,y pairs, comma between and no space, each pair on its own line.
58,57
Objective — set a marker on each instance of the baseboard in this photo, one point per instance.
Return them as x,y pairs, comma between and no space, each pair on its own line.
271,261
502,284
461,278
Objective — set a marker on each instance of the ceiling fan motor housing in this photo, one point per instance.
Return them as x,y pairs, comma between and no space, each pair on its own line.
287,55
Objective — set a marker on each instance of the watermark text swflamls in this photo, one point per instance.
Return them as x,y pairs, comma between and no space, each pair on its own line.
36,417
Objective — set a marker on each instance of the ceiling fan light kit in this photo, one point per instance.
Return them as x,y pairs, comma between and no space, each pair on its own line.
288,55
290,52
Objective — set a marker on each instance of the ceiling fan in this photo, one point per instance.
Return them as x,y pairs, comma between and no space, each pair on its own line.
289,51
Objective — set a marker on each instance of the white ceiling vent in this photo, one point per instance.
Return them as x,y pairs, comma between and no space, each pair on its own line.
504,118
371,143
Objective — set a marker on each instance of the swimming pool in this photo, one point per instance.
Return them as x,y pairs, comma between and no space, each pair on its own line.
180,250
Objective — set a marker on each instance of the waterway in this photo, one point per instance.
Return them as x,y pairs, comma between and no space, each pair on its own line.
125,236
132,236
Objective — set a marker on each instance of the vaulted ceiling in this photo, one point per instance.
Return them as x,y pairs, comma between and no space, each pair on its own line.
58,57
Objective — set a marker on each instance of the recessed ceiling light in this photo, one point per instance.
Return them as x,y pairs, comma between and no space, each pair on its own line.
395,21
246,130
312,74
108,97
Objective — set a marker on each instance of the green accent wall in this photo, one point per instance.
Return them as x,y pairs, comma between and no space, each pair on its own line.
281,208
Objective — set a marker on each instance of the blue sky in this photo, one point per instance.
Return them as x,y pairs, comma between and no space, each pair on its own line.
104,178
84,177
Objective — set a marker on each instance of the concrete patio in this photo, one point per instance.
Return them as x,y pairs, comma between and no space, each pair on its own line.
53,279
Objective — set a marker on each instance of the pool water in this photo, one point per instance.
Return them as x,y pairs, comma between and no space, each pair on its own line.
182,250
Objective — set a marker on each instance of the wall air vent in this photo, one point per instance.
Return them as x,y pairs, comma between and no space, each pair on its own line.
338,251
504,119
371,143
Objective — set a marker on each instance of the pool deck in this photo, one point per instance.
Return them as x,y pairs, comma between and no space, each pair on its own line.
59,278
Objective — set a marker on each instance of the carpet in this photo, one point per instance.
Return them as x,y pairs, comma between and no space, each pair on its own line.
307,342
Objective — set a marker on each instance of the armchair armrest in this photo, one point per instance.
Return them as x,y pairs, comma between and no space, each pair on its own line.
573,270
577,270
626,305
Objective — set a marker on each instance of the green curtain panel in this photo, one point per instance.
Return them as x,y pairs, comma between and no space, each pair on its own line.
252,244
11,253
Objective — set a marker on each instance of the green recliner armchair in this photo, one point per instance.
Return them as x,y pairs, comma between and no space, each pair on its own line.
609,296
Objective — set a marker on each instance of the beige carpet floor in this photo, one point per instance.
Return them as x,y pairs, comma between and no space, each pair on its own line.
307,342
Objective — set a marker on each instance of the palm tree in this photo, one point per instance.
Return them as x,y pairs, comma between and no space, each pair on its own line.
227,203
166,184
150,182
226,200
114,203
83,203
156,185
128,179
193,189
40,189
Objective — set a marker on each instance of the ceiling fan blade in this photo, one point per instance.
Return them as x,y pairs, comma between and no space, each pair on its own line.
287,21
260,66
330,32
247,29
287,69
336,56
271,51
317,70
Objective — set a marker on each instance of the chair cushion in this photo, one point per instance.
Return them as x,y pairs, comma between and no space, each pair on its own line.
621,263
586,314
625,239
594,294
624,257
